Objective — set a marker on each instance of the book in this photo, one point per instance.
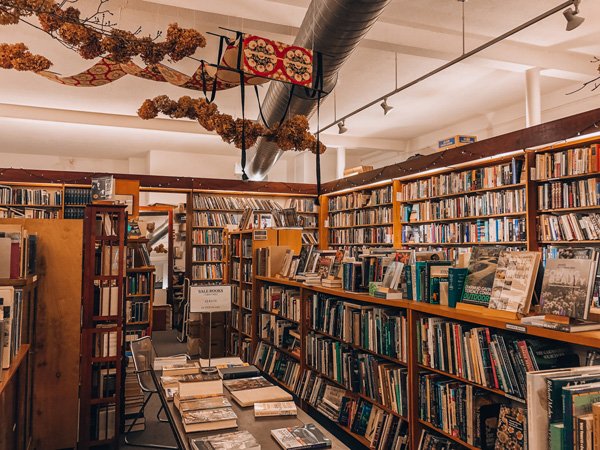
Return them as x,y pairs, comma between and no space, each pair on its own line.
238,440
596,425
161,361
231,373
208,419
567,287
557,436
248,391
200,403
577,400
301,437
246,383
512,429
438,277
514,281
275,409
456,284
200,384
576,326
181,369
481,274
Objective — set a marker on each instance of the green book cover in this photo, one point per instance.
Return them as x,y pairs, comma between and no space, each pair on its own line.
577,400
456,283
557,433
438,273
419,279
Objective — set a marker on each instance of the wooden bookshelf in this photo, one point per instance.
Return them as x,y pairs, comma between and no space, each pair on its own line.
414,312
102,336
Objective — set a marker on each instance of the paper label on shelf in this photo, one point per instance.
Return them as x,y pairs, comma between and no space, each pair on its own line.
259,235
519,328
206,299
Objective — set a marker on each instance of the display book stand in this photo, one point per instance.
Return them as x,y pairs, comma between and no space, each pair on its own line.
16,382
102,326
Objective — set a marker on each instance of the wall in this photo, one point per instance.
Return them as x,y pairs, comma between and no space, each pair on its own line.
50,162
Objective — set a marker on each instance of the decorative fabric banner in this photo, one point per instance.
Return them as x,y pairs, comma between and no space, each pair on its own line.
262,60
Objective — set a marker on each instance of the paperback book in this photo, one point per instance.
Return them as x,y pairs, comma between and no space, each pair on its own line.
270,409
208,419
301,437
481,274
238,440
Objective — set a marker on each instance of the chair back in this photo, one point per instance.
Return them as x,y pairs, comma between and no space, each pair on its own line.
143,360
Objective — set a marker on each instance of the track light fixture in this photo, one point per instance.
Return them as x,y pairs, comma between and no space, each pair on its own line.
571,14
341,127
386,108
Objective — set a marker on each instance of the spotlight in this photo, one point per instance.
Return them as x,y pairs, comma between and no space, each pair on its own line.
386,108
571,14
341,127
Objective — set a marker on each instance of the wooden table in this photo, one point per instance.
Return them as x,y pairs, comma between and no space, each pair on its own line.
260,428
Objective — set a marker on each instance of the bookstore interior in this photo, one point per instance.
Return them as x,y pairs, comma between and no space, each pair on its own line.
293,224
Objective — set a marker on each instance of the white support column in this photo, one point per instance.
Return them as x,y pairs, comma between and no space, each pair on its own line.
533,102
341,162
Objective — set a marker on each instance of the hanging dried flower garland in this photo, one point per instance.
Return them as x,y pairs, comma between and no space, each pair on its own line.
292,134
94,36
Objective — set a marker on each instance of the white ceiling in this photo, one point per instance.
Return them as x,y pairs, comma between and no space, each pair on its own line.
423,33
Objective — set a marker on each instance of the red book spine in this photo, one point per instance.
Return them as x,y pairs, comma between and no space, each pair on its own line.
15,260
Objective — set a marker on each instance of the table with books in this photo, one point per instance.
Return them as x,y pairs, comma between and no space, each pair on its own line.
228,406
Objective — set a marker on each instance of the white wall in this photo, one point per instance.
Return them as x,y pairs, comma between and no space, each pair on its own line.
69,163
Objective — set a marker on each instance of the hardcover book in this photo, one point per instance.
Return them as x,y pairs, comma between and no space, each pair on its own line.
208,419
514,281
275,409
567,287
238,440
301,437
512,429
200,384
201,403
480,277
246,383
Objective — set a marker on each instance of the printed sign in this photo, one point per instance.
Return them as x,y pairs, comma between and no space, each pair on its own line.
206,299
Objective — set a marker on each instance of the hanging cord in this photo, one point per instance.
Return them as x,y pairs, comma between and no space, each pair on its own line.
318,156
260,111
214,86
243,94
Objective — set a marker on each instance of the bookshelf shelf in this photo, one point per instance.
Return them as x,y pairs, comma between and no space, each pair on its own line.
567,177
361,243
449,436
361,349
141,269
207,261
586,242
356,394
466,219
461,194
456,244
281,349
19,205
567,210
423,367
279,316
15,365
378,205
370,225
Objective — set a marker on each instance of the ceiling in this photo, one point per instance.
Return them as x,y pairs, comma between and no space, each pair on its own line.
421,35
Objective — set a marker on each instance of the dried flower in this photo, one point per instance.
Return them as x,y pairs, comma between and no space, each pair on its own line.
18,57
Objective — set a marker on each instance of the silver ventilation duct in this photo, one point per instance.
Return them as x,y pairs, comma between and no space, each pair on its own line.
334,28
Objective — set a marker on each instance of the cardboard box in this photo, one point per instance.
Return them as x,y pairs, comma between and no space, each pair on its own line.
196,329
204,318
456,141
196,346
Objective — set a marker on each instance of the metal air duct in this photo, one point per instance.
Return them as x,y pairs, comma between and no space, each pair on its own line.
334,28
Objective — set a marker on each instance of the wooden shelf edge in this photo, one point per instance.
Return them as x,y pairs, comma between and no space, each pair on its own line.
8,374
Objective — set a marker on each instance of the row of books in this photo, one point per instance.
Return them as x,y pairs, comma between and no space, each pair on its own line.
246,295
105,341
382,430
138,283
11,321
241,346
377,234
215,219
207,254
18,249
277,364
77,196
241,246
361,217
282,301
301,205
241,321
356,200
464,182
71,213
282,333
247,272
461,410
490,358
134,399
380,330
138,256
435,441
235,270
207,271
137,311
28,213
24,196
486,204
380,380
483,230
574,161
208,202
212,237
569,227
569,194
308,221
106,300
